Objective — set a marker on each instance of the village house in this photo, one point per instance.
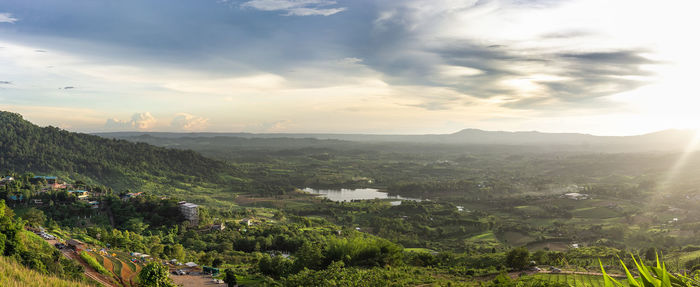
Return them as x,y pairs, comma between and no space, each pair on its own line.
247,221
81,194
131,195
57,186
220,226
134,194
94,204
76,245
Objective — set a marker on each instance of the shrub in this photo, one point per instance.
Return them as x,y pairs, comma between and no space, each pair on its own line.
653,276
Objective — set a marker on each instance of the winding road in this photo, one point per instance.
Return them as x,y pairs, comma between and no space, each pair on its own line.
89,272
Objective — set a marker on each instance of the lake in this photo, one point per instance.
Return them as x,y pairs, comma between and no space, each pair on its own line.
357,194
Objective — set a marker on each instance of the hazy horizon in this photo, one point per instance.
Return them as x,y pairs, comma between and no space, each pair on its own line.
387,134
351,67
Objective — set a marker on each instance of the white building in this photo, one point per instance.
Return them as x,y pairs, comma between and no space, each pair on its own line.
190,211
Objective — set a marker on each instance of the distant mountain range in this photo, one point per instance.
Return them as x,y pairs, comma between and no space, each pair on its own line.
667,140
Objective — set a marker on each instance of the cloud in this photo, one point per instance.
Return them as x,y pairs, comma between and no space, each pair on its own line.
139,121
296,7
565,77
350,60
7,18
451,60
143,121
188,122
505,51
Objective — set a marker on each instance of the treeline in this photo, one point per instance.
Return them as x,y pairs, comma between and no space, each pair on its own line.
357,251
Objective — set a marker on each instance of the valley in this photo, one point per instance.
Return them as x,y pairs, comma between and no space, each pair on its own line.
285,213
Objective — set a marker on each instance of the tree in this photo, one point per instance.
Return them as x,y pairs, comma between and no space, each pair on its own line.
34,217
155,275
215,263
136,225
177,252
309,256
517,258
230,278
275,266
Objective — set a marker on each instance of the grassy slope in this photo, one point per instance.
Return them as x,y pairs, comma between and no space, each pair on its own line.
13,274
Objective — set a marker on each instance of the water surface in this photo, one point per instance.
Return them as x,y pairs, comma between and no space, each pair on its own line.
357,194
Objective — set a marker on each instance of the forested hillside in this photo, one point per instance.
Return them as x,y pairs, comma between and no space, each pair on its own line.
118,163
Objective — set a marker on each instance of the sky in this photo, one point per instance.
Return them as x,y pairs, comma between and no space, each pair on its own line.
322,66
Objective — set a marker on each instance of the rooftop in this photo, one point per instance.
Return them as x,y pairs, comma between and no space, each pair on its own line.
77,191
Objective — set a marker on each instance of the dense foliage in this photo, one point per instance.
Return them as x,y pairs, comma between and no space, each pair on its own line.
155,275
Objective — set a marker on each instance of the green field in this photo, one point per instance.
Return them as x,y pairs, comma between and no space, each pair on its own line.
424,250
596,213
575,279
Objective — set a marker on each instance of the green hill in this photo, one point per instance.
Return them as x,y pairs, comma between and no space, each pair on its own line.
117,163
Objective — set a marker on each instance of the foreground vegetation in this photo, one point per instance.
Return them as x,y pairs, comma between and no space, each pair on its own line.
13,274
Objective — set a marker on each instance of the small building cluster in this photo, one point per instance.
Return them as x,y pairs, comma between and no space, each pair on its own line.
48,184
52,182
6,180
131,195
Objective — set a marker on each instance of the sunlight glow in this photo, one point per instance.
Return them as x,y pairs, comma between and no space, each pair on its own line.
682,161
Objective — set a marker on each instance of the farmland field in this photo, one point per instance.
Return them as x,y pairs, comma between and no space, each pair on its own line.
575,279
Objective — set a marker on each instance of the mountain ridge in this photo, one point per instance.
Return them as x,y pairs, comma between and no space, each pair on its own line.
664,140
282,134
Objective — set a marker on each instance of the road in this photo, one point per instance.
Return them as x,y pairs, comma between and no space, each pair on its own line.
89,272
